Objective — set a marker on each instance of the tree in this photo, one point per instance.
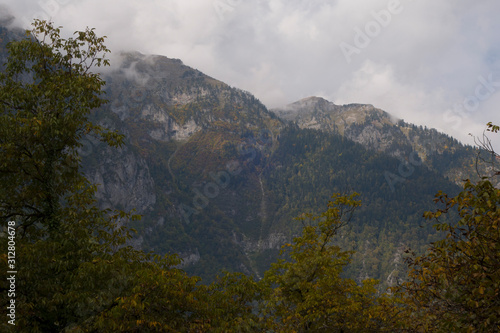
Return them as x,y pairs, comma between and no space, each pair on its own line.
486,154
72,258
455,286
307,292
63,242
47,92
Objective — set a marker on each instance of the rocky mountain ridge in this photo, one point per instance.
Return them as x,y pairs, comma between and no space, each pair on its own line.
376,129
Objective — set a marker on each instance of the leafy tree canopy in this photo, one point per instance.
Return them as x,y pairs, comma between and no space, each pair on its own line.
47,92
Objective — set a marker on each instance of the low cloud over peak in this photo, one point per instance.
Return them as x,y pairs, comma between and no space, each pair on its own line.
429,62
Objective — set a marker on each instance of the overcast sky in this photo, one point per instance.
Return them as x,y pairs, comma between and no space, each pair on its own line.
429,62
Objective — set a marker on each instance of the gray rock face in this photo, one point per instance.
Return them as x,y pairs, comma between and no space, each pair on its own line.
364,124
123,180
273,241
167,129
189,258
390,141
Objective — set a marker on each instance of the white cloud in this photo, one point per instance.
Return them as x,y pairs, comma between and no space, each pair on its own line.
418,66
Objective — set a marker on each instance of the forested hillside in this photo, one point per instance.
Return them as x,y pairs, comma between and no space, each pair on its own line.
219,178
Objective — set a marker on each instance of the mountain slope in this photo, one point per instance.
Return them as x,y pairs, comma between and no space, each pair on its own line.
219,178
203,143
228,176
378,130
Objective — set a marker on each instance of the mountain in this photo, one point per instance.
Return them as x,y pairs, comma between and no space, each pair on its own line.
7,36
219,178
192,162
378,130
